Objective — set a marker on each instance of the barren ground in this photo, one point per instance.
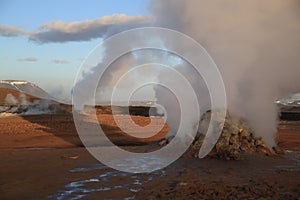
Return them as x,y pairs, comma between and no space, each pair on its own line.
42,157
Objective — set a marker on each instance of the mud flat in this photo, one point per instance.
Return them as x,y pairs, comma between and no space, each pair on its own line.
43,158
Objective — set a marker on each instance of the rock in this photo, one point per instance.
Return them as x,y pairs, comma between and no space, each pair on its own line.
246,146
182,184
245,133
252,143
73,157
222,144
263,150
259,142
236,139
233,126
162,142
165,141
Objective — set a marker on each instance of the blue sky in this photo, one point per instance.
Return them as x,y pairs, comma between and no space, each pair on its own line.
52,65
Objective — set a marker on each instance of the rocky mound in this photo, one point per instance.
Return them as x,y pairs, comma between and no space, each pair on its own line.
236,139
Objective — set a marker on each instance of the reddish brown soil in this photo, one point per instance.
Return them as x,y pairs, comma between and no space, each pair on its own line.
38,152
58,131
288,136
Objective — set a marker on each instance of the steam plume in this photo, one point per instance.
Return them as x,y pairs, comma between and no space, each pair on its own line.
11,99
255,44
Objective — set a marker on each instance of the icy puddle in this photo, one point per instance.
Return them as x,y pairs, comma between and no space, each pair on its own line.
110,184
101,182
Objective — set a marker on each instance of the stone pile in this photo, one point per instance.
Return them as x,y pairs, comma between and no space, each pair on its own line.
236,139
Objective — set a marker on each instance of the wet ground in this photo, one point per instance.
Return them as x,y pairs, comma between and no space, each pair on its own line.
74,174
274,178
41,158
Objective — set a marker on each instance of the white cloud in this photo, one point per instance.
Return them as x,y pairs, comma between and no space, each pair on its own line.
57,61
28,59
59,31
12,31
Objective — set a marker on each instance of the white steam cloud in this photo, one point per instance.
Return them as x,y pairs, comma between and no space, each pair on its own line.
24,106
255,44
11,99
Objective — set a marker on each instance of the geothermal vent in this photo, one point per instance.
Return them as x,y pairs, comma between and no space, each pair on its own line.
236,139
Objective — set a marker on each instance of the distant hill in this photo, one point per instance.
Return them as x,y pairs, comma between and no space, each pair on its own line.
26,88
22,91
25,98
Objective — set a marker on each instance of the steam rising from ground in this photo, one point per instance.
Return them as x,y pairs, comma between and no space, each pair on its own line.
11,100
255,44
24,106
